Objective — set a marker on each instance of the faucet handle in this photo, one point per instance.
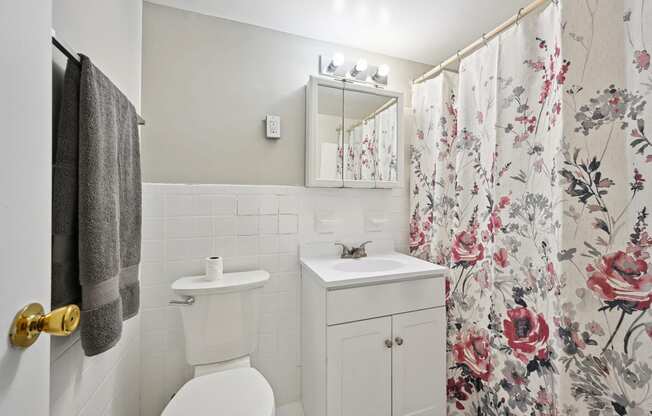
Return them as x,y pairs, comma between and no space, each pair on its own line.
361,251
345,248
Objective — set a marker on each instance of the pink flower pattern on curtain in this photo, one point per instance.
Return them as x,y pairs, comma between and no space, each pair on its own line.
369,149
529,179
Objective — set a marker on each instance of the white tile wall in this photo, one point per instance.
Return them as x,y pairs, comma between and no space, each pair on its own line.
104,385
251,227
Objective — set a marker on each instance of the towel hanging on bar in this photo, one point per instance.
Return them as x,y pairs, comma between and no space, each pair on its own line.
74,57
96,206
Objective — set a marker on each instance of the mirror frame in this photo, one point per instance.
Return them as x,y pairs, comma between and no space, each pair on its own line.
312,140
313,161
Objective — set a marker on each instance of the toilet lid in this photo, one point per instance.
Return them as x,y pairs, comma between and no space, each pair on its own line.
228,283
238,392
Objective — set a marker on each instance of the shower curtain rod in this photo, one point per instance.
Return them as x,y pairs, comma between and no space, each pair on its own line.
482,41
74,57
372,115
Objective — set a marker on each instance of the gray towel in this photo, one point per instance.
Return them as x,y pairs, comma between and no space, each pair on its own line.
65,265
108,203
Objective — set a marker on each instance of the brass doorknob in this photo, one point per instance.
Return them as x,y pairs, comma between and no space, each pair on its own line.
31,321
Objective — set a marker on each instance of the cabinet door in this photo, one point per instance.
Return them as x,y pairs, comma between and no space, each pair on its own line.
359,369
419,363
324,128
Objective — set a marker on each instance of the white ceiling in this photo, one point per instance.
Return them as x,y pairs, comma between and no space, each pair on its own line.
427,31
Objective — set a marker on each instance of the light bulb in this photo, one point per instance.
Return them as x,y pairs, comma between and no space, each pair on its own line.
383,70
337,60
381,74
361,65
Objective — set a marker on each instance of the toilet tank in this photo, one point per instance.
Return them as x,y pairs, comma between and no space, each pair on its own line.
222,323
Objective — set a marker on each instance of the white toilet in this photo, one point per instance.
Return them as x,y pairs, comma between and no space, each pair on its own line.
221,328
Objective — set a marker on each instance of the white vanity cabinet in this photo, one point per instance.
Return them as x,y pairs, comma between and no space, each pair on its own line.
387,366
375,348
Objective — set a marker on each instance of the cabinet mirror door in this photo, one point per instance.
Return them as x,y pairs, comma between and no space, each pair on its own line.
371,139
329,133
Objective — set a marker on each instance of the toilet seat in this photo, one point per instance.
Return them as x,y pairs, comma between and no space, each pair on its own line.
238,392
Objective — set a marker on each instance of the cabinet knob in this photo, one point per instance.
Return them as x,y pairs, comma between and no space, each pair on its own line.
388,343
398,340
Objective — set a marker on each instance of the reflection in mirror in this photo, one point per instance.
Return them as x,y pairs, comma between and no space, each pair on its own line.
329,129
370,137
387,139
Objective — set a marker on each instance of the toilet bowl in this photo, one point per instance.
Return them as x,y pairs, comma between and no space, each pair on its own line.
220,322
238,392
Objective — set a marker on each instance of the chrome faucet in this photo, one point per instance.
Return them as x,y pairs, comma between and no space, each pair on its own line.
353,252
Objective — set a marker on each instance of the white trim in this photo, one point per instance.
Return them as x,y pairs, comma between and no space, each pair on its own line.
312,146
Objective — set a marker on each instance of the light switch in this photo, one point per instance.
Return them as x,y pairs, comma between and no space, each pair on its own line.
273,127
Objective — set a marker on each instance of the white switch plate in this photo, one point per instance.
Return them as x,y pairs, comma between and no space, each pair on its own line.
273,124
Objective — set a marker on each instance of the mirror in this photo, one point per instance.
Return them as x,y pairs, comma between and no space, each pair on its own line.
353,135
370,137
329,132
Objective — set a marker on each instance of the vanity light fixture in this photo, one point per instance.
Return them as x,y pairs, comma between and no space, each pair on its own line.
336,62
358,71
381,73
360,66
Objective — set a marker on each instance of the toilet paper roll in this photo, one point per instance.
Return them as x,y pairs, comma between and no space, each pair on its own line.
214,267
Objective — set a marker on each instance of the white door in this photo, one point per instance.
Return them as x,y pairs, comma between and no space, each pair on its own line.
359,369
25,202
419,363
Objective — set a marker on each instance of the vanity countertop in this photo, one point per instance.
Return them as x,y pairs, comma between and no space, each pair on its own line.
334,272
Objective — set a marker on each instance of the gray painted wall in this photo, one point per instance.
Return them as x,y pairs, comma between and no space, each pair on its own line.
208,84
110,33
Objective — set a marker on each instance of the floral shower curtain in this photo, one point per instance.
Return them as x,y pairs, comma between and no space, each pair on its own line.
432,168
387,159
360,151
370,148
529,181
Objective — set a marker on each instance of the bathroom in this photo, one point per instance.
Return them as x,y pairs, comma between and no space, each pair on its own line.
319,208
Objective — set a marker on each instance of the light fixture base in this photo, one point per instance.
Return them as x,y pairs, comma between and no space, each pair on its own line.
343,72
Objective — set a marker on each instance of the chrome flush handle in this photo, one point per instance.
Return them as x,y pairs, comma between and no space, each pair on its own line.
188,301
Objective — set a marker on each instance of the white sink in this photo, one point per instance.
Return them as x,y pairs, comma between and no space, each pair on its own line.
334,272
367,265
